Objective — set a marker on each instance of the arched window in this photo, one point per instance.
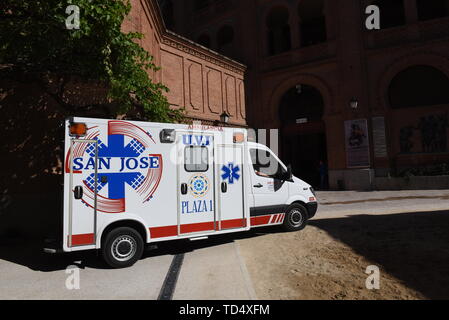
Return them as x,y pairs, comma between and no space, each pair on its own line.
434,9
312,22
225,39
204,40
200,4
301,102
419,86
278,31
392,13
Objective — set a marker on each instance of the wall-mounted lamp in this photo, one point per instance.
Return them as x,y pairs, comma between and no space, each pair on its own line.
354,104
224,118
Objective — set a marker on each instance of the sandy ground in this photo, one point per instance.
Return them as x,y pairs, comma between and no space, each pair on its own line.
329,258
404,233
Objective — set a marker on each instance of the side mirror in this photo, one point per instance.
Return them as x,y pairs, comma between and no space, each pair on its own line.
289,173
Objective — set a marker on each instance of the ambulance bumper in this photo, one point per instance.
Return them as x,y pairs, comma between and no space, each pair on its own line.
312,208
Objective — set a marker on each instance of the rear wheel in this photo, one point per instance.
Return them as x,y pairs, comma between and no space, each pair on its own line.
122,247
295,218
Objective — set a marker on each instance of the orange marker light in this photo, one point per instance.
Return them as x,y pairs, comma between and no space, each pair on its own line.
239,137
78,129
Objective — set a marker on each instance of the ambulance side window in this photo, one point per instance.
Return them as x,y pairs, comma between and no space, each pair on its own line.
196,159
265,164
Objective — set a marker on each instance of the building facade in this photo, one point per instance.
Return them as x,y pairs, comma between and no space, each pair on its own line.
202,82
369,103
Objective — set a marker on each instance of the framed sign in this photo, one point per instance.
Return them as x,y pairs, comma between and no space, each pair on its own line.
357,144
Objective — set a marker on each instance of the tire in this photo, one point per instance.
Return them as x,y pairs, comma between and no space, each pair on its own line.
296,217
122,247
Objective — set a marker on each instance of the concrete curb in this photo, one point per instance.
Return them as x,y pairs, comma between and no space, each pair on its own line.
247,278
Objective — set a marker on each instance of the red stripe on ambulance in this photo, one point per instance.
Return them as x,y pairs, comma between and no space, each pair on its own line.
198,227
268,220
260,221
164,232
233,224
278,218
282,218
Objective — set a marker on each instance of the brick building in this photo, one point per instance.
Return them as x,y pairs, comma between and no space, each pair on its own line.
204,83
370,103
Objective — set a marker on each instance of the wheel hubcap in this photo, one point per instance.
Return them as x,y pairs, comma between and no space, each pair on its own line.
124,248
296,218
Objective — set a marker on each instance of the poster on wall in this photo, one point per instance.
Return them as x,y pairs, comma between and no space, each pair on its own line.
357,143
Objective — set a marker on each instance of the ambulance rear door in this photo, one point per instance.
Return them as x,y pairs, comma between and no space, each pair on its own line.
195,183
80,198
231,187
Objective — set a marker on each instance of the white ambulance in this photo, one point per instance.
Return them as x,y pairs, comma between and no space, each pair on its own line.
128,184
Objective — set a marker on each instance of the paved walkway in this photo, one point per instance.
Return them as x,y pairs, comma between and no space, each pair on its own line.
216,273
337,204
211,269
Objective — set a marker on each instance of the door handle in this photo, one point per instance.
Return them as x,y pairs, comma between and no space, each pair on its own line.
224,187
259,185
184,188
78,192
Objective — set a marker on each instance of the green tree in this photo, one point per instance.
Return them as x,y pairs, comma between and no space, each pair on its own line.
34,40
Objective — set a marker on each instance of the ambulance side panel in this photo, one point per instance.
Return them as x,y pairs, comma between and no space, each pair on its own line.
139,181
127,174
157,210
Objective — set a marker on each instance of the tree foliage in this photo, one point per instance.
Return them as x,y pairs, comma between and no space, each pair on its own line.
35,40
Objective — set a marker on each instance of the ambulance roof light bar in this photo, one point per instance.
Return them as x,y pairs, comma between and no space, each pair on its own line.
77,129
168,136
239,137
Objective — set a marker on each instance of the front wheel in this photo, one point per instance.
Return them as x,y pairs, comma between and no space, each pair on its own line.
122,248
295,218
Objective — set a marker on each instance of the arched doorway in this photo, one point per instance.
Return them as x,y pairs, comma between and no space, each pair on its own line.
303,133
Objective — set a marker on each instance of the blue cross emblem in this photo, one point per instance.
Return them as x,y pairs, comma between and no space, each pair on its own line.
116,149
230,173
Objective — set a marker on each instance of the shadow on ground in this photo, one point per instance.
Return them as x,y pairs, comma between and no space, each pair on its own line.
413,247
29,253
